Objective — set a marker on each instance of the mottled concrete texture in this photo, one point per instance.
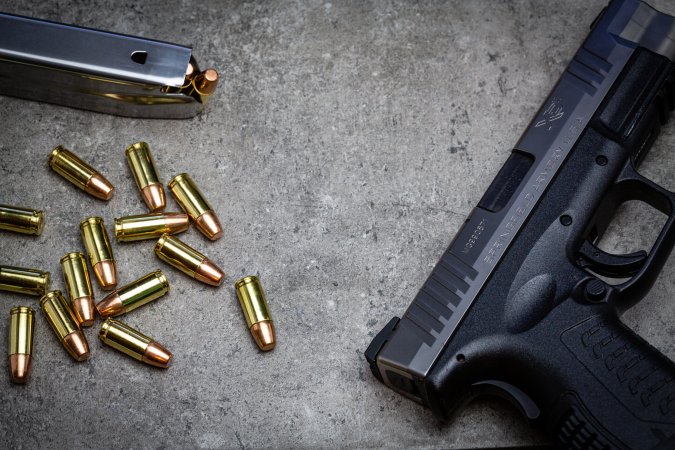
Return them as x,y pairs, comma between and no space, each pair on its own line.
346,145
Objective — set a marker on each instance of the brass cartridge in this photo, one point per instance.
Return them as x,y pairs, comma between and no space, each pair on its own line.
21,326
193,202
149,226
97,244
76,276
188,260
254,305
134,295
147,178
81,174
63,322
134,343
204,84
24,281
191,71
21,220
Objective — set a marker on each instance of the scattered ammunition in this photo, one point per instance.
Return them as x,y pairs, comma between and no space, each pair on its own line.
97,244
191,199
134,295
134,343
21,323
204,85
63,322
24,281
188,260
147,178
149,226
81,174
76,276
21,220
254,304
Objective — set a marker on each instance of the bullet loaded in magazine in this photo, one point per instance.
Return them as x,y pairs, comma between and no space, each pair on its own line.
521,304
100,71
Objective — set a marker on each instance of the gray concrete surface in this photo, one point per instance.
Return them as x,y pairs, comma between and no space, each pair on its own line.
344,148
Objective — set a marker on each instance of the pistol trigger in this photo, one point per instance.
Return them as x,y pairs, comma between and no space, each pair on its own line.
610,265
516,396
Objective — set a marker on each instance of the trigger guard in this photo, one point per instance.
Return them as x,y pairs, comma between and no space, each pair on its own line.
516,396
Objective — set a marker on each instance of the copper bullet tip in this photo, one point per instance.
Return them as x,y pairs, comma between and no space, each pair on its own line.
190,71
153,195
208,272
106,274
206,82
99,187
76,344
110,306
263,334
156,355
208,224
83,308
19,368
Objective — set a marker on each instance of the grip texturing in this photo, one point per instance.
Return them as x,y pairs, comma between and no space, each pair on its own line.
635,403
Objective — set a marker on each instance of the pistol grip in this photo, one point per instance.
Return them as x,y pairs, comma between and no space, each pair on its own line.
635,384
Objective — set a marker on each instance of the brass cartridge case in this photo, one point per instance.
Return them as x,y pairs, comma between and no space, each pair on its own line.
193,202
134,343
147,178
21,326
76,276
204,84
254,305
149,226
97,244
188,260
134,295
81,174
21,220
65,326
24,281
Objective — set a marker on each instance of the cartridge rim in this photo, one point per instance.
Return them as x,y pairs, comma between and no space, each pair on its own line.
160,243
91,220
21,309
39,220
71,255
48,296
136,147
103,332
118,228
246,280
47,280
58,149
177,178
162,279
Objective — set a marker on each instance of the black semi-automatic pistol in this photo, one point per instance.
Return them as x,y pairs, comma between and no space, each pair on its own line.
523,303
